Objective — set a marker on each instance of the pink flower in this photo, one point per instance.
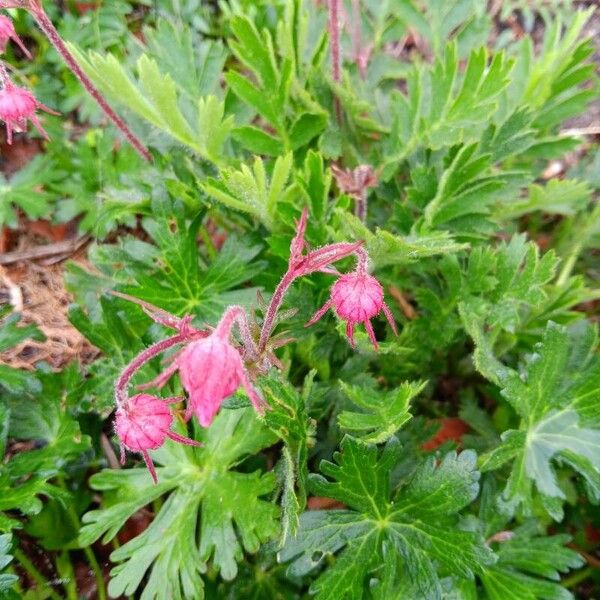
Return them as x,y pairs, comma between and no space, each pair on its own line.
212,369
7,33
356,298
17,105
143,423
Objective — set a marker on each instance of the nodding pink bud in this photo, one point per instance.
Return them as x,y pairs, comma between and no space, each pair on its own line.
7,33
17,105
212,369
143,423
356,298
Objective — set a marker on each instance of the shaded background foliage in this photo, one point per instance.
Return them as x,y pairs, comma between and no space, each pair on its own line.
462,460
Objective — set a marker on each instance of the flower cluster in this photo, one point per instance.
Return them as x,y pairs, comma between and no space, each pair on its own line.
212,364
17,105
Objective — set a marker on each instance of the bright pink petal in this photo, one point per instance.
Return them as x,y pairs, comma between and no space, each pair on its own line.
350,333
150,466
371,333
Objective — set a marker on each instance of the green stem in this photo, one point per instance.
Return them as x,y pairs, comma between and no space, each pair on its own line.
89,553
583,235
98,574
31,570
577,577
67,573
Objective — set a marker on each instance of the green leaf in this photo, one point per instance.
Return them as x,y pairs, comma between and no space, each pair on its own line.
502,286
526,563
7,580
30,188
205,492
315,183
305,128
155,97
194,65
558,196
16,380
467,188
417,522
248,190
557,399
289,421
436,113
385,248
385,412
269,95
40,415
257,141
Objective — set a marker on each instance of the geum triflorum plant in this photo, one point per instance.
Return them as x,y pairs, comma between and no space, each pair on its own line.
345,304
212,368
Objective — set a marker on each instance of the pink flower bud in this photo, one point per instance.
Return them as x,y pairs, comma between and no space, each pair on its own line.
356,298
7,33
212,369
143,423
17,105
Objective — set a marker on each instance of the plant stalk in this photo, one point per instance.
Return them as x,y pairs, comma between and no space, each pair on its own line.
32,571
140,360
47,27
272,309
334,40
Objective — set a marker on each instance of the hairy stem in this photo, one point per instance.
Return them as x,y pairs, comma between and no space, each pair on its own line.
362,259
360,208
272,309
87,550
356,37
334,40
236,314
140,360
31,570
45,24
4,77
583,233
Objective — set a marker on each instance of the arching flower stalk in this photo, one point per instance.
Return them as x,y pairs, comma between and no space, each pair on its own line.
211,369
212,366
35,8
299,265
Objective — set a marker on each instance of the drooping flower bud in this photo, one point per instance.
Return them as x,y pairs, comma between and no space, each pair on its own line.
17,106
212,369
7,33
143,423
356,298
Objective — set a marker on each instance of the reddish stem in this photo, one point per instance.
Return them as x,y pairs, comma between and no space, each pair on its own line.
4,77
236,314
356,36
140,360
334,36
45,24
362,259
360,207
273,307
